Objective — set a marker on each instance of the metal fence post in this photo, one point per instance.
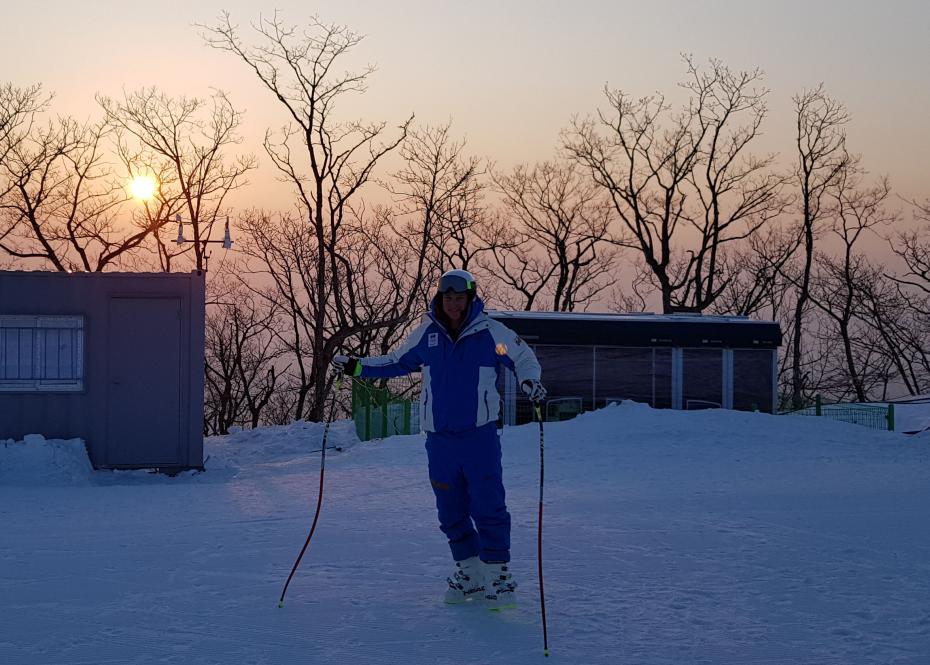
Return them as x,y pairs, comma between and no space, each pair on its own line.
890,417
368,419
385,400
818,405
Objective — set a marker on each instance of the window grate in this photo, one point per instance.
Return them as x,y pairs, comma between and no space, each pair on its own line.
41,353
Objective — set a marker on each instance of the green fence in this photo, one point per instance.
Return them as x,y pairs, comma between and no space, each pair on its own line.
380,412
563,408
875,416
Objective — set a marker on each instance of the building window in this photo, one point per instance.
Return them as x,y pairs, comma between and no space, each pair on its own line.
639,374
41,353
752,380
702,374
568,372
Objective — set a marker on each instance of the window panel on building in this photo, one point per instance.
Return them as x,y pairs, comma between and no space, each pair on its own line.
639,374
702,379
41,353
568,375
662,363
752,380
16,353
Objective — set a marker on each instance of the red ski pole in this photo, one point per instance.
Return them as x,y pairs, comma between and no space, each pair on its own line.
539,556
319,499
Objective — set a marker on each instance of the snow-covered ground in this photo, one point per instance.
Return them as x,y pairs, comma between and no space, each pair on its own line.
670,538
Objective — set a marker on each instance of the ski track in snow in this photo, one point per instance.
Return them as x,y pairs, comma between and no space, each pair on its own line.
670,538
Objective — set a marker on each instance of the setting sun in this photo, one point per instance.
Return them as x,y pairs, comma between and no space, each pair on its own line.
143,187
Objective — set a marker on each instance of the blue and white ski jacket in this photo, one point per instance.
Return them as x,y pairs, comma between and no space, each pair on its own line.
459,377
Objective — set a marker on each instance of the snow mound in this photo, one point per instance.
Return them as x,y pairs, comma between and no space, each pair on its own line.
39,461
294,448
276,445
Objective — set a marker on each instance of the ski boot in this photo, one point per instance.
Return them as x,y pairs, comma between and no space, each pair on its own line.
466,582
500,590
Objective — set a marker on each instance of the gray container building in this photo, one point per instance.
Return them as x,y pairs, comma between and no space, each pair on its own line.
115,359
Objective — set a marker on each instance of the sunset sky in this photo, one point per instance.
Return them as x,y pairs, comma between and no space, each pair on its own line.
510,74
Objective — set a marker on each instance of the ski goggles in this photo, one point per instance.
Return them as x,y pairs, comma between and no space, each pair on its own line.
455,283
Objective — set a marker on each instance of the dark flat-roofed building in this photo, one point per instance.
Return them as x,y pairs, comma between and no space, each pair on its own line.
678,361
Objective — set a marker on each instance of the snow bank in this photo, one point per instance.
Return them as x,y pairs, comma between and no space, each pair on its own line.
39,461
273,446
912,417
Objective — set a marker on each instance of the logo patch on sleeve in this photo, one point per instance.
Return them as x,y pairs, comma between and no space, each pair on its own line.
433,339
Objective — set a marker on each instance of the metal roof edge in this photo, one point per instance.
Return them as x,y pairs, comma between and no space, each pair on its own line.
101,275
628,316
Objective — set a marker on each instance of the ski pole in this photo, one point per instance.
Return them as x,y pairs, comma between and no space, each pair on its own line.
319,499
539,557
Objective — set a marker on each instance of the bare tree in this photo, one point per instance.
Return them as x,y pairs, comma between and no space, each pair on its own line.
522,277
901,321
914,248
182,141
822,158
758,286
739,193
61,199
436,175
637,298
465,218
283,249
240,360
643,169
327,163
440,199
902,313
18,107
396,286
560,247
683,180
854,210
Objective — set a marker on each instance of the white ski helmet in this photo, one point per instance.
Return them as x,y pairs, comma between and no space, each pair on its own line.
459,281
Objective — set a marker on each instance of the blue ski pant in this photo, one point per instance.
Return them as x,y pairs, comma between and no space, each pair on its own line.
467,478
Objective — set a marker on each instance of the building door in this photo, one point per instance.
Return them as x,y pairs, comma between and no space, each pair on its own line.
144,382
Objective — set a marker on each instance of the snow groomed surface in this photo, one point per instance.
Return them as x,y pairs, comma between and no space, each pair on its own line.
671,538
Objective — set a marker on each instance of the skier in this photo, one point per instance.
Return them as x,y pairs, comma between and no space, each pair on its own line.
460,350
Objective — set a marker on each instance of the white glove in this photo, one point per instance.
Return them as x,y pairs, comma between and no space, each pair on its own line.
346,365
534,390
